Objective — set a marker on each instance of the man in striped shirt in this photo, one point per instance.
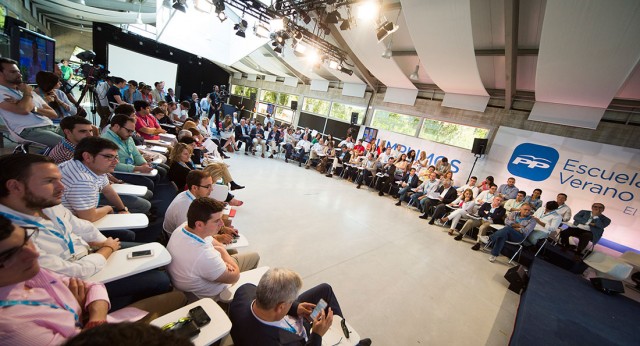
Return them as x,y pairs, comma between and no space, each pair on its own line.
75,128
85,177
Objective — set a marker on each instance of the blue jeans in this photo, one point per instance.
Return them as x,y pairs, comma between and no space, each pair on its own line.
498,238
414,199
136,287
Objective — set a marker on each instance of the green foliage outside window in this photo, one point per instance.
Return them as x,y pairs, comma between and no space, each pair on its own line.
452,134
343,112
400,123
316,106
281,99
243,90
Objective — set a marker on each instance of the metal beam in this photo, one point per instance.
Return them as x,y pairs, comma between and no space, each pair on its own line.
511,22
479,52
364,72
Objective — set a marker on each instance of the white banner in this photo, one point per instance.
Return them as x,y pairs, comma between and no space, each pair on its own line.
587,172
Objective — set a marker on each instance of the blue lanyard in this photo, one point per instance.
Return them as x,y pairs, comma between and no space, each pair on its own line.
547,214
64,236
192,236
190,196
291,328
6,303
519,219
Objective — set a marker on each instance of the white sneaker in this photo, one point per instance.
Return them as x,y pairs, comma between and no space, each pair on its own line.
484,239
437,222
492,259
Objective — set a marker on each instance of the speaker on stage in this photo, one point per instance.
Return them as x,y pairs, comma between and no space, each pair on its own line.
607,286
294,105
354,118
479,146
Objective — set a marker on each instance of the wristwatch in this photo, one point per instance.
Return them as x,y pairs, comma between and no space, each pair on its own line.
123,209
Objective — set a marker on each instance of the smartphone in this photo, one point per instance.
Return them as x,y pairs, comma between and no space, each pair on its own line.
319,307
564,226
199,316
140,254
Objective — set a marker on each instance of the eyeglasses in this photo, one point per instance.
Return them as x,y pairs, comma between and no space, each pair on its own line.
7,255
176,324
129,130
110,157
597,207
206,186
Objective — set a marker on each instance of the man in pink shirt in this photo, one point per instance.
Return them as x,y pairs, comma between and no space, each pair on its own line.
146,124
39,307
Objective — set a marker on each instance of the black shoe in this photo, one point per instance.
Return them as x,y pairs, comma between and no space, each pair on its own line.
380,193
424,217
246,153
286,160
364,342
357,187
399,203
431,221
329,175
225,156
271,156
396,196
235,186
299,164
458,237
476,247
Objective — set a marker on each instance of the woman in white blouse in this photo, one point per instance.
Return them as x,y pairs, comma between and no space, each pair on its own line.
464,204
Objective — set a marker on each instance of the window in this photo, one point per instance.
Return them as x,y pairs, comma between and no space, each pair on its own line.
316,106
400,123
284,114
243,90
343,112
281,99
451,134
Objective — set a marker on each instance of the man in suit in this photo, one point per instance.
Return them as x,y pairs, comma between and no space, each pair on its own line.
194,107
242,134
445,195
388,171
489,213
409,181
273,314
587,226
171,96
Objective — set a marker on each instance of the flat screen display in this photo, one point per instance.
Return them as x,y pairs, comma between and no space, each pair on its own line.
36,53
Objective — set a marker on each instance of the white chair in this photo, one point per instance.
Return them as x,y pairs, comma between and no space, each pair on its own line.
22,144
609,266
518,244
219,192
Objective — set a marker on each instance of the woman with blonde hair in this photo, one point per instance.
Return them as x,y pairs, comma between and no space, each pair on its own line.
228,134
181,165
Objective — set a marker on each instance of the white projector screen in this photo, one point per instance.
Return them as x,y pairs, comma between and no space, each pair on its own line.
141,68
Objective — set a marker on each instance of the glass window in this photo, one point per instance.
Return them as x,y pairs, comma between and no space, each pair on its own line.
281,99
316,106
284,114
243,90
390,121
451,134
343,112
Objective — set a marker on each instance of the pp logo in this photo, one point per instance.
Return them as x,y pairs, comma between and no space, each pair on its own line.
533,162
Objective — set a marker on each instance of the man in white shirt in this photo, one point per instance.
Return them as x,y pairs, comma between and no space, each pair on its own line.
547,220
201,264
563,209
515,203
487,196
24,111
424,190
31,191
384,157
471,184
199,184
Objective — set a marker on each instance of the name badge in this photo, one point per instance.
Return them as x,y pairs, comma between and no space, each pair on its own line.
129,161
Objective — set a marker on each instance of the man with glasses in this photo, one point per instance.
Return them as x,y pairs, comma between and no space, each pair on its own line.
588,226
199,184
130,158
199,263
85,178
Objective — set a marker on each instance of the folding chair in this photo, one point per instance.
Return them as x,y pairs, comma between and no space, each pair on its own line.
518,244
22,144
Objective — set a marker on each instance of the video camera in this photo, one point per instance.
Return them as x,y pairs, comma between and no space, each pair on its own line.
92,72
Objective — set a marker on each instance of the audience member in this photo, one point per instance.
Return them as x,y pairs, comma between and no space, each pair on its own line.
146,124
515,204
132,94
588,226
517,227
445,194
49,89
463,206
181,165
409,182
488,214
75,129
386,176
563,209
428,187
547,221
442,167
114,95
276,315
534,200
509,190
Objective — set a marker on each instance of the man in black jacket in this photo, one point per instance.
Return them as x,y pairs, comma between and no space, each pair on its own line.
339,160
409,181
488,214
446,194
273,314
385,176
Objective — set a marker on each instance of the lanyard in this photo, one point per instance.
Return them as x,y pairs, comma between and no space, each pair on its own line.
291,328
519,219
64,236
124,145
547,214
7,303
192,236
190,196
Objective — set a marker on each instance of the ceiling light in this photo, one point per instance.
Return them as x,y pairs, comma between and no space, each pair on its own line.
261,30
300,48
387,52
277,24
241,28
334,64
345,70
312,57
368,10
333,17
385,29
220,10
305,17
346,25
414,75
180,5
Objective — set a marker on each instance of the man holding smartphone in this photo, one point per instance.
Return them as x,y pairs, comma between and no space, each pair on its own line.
273,314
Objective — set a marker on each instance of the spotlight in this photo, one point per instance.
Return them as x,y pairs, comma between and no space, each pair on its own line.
334,64
180,5
222,16
368,10
220,10
305,17
298,36
345,70
241,28
385,29
414,75
333,17
387,52
346,25
325,29
261,30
